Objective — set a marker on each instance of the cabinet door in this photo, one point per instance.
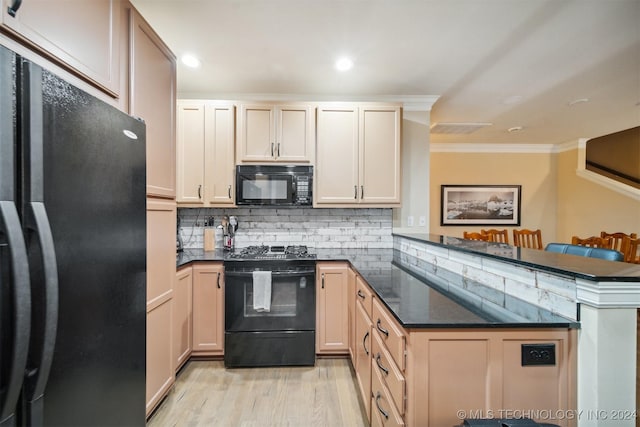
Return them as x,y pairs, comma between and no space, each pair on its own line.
256,134
153,98
332,322
208,309
351,284
182,320
336,174
190,151
219,170
81,35
295,133
363,356
379,155
161,274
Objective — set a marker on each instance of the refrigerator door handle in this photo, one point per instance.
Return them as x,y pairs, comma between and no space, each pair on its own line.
22,309
37,385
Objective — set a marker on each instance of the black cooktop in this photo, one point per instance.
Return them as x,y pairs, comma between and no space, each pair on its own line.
291,252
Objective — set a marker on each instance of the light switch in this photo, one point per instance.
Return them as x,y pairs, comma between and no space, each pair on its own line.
422,220
410,221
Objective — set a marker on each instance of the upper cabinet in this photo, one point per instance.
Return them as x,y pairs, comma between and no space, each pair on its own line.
152,86
358,156
82,36
276,133
205,153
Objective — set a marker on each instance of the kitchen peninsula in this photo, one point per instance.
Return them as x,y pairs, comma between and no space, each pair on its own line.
489,299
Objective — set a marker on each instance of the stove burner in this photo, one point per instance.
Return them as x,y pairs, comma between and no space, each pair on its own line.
273,252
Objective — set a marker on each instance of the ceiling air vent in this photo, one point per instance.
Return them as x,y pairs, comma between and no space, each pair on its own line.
457,128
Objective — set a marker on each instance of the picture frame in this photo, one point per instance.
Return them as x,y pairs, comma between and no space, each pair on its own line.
486,205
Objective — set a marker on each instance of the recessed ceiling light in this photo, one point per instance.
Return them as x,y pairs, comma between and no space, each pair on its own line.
577,101
190,60
344,64
515,129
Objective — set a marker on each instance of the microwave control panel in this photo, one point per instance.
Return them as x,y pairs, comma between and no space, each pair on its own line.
303,190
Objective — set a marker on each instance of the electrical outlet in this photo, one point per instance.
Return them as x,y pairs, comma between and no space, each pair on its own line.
538,354
422,220
410,221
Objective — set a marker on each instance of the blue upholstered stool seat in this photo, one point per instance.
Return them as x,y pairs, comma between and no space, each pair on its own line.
565,248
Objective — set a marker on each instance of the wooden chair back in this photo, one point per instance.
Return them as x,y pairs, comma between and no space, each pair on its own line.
476,236
592,242
528,238
630,250
500,236
617,239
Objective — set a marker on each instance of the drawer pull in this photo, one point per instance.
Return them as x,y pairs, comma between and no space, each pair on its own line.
381,329
364,343
382,368
360,294
383,412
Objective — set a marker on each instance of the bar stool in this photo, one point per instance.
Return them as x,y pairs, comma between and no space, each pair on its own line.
528,238
501,236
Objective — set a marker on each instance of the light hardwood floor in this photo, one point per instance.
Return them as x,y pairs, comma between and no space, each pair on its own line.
207,394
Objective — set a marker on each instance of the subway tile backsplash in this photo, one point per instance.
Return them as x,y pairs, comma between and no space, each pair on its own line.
315,227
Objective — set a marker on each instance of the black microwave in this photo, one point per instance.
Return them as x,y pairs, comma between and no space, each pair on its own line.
274,185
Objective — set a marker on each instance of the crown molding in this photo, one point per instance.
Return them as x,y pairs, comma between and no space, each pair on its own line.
492,148
409,102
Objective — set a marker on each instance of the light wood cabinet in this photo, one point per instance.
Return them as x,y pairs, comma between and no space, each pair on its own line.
190,152
358,156
363,356
205,153
208,309
161,274
276,133
82,36
351,301
332,311
152,80
182,316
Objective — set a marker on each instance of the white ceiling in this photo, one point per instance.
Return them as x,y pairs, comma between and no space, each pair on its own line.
506,62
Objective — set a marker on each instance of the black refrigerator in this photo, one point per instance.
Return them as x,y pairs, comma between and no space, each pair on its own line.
72,254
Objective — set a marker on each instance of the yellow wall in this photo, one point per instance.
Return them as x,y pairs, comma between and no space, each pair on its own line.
554,198
586,208
536,173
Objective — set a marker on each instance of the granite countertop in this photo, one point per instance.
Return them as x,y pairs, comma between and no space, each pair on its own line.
420,301
569,265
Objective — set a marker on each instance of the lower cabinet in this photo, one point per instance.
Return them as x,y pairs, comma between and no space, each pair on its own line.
332,311
363,356
182,316
161,275
208,309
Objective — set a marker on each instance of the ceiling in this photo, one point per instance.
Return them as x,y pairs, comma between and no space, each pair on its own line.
511,63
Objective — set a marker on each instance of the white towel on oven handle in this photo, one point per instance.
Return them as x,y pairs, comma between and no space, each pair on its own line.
262,291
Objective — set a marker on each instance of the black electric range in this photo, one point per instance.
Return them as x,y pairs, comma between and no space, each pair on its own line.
264,252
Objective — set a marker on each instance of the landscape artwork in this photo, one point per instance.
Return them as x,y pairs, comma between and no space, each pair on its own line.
480,205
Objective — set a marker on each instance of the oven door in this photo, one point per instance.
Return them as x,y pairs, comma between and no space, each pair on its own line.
291,306
256,188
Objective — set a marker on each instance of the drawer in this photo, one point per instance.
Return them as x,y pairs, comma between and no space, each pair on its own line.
364,295
389,372
383,411
390,332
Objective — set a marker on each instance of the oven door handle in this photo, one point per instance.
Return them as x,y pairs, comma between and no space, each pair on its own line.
301,273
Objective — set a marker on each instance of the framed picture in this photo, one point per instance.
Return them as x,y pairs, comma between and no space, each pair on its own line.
480,205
